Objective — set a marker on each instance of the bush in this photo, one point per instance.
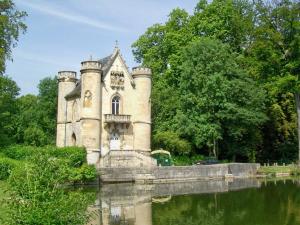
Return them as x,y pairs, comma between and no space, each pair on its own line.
171,142
19,152
38,196
6,167
76,156
85,173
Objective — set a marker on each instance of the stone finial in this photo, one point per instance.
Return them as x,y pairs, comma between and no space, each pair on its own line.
141,71
66,76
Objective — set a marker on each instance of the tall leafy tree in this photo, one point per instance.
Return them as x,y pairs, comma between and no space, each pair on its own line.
274,59
11,25
36,118
8,109
264,36
218,100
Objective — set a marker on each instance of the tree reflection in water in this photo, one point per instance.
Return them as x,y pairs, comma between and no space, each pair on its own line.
241,202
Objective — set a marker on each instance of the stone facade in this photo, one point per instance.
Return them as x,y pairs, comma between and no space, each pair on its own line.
107,109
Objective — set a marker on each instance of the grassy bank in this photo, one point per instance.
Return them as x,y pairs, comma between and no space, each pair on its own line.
292,170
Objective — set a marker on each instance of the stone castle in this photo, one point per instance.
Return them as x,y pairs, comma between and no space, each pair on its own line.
108,111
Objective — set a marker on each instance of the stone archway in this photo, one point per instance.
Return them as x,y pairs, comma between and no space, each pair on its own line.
73,139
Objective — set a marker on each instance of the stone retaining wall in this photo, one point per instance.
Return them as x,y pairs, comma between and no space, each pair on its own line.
178,173
119,191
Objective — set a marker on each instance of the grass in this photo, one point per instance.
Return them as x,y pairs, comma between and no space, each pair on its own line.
273,170
3,196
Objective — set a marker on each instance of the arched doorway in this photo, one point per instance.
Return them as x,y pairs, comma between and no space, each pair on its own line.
114,141
73,139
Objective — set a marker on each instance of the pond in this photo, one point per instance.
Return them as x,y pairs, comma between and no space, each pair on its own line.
236,202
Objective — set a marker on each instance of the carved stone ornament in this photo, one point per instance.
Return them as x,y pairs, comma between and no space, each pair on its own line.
117,79
87,101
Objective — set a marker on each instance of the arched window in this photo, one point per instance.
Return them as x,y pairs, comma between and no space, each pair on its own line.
115,105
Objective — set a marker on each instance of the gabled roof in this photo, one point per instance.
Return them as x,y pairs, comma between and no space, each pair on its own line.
106,64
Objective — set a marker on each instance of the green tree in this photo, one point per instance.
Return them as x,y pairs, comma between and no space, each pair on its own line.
26,116
11,25
274,59
8,108
47,107
36,119
218,100
264,36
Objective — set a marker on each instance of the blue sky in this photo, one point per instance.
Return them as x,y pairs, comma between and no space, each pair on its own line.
62,33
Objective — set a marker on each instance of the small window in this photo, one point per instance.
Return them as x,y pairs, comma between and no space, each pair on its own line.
115,105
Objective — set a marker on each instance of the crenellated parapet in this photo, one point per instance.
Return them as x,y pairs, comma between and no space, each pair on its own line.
90,66
141,71
66,76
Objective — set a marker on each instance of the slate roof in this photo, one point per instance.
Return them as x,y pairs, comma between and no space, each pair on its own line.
106,63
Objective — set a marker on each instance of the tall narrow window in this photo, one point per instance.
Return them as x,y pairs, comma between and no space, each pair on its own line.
115,105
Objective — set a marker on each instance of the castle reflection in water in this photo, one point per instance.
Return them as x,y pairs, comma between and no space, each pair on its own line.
131,204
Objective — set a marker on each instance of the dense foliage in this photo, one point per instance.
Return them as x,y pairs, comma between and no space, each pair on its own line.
37,179
8,109
225,78
11,25
36,118
29,119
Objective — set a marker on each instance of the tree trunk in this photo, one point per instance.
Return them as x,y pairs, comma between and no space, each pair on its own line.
297,98
214,148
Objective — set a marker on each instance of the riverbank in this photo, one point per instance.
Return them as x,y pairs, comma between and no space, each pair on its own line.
278,171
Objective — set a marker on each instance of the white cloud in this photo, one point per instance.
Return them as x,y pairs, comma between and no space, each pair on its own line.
76,18
38,58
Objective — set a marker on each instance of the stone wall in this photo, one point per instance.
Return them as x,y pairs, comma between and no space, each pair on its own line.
178,173
181,188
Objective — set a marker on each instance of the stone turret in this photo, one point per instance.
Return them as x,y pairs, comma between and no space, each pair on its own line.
91,109
142,115
66,83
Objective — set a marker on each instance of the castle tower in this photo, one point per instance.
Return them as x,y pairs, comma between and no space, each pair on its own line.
91,109
66,83
142,115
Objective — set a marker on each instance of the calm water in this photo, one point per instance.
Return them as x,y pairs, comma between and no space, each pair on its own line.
242,202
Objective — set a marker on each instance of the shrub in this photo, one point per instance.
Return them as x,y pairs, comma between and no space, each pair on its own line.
75,155
172,142
6,167
38,196
19,152
85,173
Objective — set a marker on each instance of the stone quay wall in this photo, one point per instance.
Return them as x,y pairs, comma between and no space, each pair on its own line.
178,173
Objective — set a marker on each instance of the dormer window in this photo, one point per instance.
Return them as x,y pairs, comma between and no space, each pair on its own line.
115,105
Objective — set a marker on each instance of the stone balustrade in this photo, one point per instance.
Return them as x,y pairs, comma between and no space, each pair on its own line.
111,118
